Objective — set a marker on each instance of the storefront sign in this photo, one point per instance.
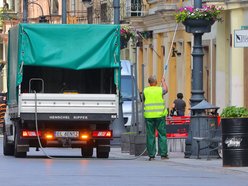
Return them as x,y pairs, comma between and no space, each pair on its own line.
240,38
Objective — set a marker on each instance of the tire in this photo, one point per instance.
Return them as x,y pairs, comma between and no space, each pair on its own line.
101,154
87,151
16,153
103,148
8,149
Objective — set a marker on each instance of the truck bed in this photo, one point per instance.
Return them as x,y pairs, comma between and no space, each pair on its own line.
68,106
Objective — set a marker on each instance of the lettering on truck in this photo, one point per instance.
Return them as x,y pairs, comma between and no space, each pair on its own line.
68,117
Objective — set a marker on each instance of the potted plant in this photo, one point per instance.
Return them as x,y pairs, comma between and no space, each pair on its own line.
234,122
234,112
126,34
198,20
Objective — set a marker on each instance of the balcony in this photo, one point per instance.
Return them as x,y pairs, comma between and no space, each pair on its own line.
8,19
164,5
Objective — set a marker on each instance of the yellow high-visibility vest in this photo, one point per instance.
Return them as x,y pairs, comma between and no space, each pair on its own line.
154,105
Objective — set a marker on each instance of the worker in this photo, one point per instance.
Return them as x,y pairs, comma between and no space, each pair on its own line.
154,113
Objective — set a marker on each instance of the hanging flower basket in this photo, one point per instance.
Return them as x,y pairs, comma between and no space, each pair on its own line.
199,20
198,25
126,34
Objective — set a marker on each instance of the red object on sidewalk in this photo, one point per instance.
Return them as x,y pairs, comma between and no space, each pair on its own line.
177,126
218,120
177,120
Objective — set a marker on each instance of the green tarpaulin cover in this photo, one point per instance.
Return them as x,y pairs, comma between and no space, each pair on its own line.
76,47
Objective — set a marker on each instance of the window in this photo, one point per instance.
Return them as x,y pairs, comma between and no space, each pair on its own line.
136,7
104,10
55,7
90,15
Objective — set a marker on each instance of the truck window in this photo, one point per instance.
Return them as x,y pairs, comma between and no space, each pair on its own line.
58,80
36,85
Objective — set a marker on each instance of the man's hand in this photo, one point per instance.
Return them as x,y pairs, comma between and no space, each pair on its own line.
163,80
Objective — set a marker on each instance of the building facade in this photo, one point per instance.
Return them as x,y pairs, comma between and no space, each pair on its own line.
164,49
224,66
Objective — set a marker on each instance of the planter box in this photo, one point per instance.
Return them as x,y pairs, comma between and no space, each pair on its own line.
126,142
198,25
235,142
133,143
139,145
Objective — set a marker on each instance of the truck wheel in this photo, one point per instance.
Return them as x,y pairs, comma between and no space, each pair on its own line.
16,153
102,154
8,149
87,151
103,148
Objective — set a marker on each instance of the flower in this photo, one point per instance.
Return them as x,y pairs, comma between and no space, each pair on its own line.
127,32
206,12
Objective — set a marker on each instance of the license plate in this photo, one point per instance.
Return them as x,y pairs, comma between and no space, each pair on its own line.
66,134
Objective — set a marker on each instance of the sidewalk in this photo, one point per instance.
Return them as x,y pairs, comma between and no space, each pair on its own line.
175,158
178,158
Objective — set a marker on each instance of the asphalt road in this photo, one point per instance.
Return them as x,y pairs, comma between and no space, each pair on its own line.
68,168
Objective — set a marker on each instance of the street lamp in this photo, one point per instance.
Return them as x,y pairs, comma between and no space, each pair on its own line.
197,27
25,12
197,72
42,17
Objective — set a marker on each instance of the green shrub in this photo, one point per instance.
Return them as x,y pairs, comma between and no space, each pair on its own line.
234,112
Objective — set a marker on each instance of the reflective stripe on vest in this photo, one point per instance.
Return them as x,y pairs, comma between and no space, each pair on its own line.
154,106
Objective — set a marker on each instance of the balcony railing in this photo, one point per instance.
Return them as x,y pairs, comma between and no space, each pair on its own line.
137,8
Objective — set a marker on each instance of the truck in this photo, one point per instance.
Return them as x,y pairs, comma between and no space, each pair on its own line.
130,97
63,87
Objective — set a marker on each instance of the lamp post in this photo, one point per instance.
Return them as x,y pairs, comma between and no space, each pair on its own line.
197,73
25,11
197,27
64,7
118,125
116,5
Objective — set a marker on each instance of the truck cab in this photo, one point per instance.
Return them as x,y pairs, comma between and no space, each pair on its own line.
130,99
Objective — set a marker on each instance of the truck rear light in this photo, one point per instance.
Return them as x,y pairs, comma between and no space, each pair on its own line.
84,136
49,136
28,133
102,134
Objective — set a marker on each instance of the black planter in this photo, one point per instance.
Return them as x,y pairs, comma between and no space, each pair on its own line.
198,25
124,41
235,142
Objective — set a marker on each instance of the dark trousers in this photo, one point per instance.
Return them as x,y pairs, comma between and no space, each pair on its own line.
151,125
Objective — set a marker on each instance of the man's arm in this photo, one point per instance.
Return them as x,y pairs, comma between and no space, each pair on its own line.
164,85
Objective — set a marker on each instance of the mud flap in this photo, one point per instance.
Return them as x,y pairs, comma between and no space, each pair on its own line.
103,145
22,148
